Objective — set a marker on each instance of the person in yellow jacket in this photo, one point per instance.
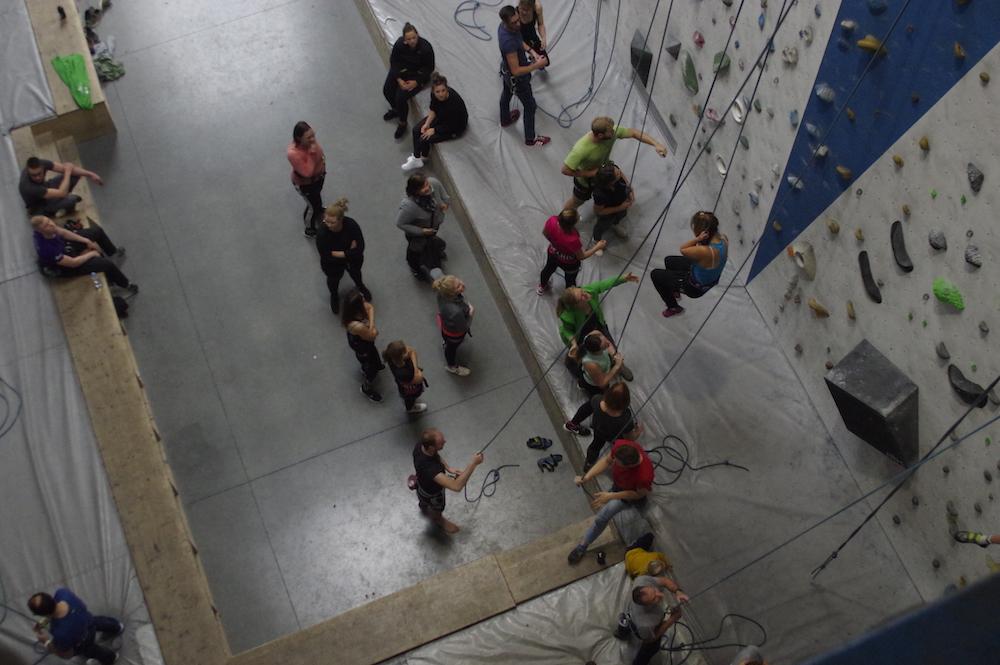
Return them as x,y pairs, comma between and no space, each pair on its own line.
640,560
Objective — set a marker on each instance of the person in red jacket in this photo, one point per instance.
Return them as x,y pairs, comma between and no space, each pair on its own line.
632,473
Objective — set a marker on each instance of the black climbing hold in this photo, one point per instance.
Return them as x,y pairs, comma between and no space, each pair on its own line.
914,97
936,563
975,177
866,277
977,507
942,351
899,247
895,519
945,468
915,501
988,476
971,393
937,240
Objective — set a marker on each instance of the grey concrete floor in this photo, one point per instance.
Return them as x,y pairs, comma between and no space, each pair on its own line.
293,482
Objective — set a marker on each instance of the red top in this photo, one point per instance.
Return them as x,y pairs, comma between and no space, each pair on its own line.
306,164
562,244
635,477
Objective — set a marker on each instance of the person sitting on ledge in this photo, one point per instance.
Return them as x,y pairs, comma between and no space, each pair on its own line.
53,196
64,253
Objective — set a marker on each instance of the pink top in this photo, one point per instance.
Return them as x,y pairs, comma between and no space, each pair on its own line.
562,244
308,163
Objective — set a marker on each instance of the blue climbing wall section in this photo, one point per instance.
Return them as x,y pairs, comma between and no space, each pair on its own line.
918,69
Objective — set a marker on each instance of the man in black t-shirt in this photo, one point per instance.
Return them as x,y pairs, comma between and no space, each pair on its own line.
612,198
43,197
432,476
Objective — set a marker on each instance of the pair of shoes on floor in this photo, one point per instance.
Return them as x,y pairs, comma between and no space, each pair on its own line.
673,311
549,463
544,288
457,370
576,555
538,443
538,140
309,233
390,115
573,428
980,539
620,230
371,393
413,162
400,131
419,407
514,115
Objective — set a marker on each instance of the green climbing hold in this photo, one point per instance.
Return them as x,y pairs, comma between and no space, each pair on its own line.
720,62
925,322
973,368
988,442
745,142
945,291
690,76
933,193
757,105
673,120
962,199
910,315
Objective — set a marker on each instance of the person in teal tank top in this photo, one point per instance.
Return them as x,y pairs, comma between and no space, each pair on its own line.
699,267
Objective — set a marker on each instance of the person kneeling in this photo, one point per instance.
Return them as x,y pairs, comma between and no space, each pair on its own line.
64,253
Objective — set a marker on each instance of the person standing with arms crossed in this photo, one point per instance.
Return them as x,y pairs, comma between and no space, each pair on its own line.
308,173
516,74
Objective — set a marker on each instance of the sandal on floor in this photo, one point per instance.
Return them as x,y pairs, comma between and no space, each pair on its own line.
549,463
539,443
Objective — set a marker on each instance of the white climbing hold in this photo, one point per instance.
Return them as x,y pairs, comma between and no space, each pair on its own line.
805,259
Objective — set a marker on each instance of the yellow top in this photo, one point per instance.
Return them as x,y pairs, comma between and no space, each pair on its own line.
636,560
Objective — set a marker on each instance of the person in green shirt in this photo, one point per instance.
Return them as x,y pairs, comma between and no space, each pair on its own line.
579,311
593,151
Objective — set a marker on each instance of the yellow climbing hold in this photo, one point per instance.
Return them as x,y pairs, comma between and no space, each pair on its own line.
850,310
858,234
844,172
984,77
924,143
776,225
833,226
872,45
993,565
818,309
959,51
898,160
850,114
906,209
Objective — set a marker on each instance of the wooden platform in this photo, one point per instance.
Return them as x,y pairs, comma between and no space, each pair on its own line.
61,37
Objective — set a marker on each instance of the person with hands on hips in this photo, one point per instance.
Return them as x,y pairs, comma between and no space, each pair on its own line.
632,475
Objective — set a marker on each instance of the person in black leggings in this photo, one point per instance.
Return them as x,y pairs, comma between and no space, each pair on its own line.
409,377
612,420
454,319
308,173
341,246
64,253
358,317
410,65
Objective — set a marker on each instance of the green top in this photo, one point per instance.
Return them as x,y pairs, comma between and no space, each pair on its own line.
587,155
571,320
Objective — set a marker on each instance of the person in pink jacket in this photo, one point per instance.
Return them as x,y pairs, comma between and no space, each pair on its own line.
308,173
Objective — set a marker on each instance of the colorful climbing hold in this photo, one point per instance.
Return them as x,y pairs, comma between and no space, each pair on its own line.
906,209
844,172
910,316
871,45
818,309
984,77
745,142
833,226
958,50
924,143
757,105
947,292
760,21
850,114
858,234
776,225
793,118
690,76
933,193
962,198
925,323
898,160
673,120
850,310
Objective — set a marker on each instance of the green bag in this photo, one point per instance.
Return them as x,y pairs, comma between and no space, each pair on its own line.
73,72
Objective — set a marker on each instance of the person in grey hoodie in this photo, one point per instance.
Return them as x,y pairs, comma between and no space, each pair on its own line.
454,319
420,216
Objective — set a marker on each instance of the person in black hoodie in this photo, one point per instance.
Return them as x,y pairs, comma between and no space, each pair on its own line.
446,120
341,247
410,65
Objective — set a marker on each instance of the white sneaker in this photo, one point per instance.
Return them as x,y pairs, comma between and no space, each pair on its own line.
599,253
413,162
620,230
457,370
419,407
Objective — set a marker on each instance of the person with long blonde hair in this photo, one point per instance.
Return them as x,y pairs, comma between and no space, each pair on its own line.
454,319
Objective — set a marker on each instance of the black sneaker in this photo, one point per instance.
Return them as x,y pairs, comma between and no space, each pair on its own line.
132,288
309,233
576,555
390,114
573,428
371,393
400,131
120,253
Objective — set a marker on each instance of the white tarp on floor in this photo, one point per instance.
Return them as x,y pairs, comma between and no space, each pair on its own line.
733,396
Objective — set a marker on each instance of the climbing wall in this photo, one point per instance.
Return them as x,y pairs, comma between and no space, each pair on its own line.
820,144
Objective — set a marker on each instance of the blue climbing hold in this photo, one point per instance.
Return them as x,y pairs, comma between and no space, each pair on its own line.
736,43
813,130
817,10
754,200
876,7
793,118
760,21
